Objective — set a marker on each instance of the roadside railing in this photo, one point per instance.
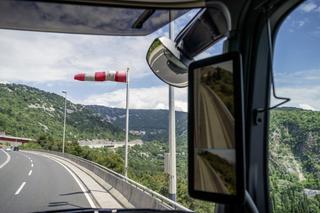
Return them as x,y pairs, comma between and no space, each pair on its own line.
138,195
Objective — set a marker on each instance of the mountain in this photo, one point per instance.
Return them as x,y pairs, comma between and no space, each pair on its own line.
294,141
294,162
150,124
30,112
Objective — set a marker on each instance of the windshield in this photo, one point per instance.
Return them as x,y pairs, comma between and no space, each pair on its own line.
294,128
44,113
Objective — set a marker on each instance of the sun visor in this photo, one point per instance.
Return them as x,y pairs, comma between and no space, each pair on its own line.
82,18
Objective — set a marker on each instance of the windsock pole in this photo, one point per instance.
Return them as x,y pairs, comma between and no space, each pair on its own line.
117,76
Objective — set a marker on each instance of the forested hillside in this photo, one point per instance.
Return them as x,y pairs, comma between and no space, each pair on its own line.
153,122
294,160
30,112
294,144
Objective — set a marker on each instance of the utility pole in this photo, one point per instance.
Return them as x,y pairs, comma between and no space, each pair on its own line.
64,120
172,130
127,127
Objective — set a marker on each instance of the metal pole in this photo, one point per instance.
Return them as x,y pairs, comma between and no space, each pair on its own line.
172,130
64,121
127,127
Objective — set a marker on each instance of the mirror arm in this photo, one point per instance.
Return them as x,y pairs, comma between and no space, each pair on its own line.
250,203
187,56
138,24
201,27
188,26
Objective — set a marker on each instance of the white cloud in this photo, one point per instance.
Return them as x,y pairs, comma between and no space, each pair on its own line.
301,23
4,82
38,57
306,97
308,7
302,87
310,76
140,98
307,107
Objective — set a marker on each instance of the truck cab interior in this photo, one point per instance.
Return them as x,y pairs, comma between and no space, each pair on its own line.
247,30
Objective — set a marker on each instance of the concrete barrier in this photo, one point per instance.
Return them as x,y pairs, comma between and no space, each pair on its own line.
137,194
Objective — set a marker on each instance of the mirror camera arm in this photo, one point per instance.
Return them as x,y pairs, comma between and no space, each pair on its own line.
252,206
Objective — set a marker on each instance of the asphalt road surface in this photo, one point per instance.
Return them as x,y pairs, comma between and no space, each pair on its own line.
216,123
214,131
207,179
30,182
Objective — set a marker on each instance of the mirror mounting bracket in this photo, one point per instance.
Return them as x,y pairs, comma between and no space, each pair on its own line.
258,115
250,203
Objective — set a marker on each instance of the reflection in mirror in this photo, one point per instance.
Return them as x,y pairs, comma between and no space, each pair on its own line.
166,61
214,132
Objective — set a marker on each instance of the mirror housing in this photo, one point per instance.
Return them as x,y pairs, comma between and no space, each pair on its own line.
170,60
168,63
205,29
216,129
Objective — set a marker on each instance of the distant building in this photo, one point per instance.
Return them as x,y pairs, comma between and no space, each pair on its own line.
99,143
137,132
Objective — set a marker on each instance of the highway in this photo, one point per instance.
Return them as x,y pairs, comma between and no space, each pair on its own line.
208,179
215,120
215,132
30,182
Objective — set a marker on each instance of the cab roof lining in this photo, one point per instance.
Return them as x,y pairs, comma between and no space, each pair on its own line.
79,18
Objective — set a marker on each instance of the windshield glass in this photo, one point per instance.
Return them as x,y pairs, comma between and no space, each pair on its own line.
43,107
294,139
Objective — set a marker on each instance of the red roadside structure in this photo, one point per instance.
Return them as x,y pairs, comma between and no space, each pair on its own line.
12,139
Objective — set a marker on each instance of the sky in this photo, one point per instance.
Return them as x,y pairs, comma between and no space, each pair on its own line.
48,61
297,57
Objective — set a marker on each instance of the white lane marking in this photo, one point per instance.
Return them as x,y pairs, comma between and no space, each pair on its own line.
32,165
30,160
7,160
20,188
78,182
30,173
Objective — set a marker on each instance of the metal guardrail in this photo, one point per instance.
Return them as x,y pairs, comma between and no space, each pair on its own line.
137,194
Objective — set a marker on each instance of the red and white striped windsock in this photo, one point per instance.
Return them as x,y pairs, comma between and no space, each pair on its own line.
118,76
